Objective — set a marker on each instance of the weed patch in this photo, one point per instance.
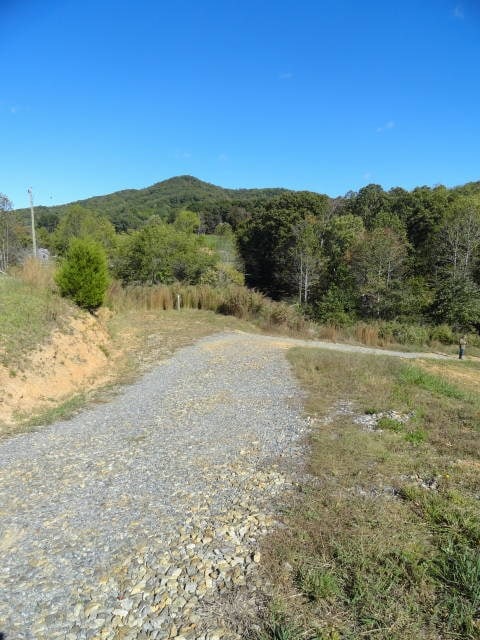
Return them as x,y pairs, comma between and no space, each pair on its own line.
29,311
61,411
384,543
233,300
416,437
391,424
435,384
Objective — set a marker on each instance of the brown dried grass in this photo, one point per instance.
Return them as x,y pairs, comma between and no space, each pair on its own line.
237,301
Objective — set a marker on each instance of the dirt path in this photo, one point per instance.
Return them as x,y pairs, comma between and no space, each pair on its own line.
352,348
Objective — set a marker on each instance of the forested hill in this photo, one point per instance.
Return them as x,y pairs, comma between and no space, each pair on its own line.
130,208
410,256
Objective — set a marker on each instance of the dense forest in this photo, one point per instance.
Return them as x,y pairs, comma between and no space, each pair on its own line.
411,256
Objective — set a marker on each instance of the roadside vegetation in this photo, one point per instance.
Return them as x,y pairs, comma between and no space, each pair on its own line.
29,310
378,267
382,539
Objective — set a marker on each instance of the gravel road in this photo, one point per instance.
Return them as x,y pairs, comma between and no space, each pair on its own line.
125,520
115,497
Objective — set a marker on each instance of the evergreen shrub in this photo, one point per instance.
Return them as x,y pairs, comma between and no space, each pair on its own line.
83,275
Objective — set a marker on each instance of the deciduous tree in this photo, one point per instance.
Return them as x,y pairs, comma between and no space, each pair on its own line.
377,262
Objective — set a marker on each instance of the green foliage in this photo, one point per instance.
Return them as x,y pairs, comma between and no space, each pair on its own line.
378,265
369,203
187,221
390,424
416,437
160,253
223,229
268,240
442,333
406,256
409,301
82,223
129,209
403,333
222,275
318,583
457,303
336,307
342,232
225,246
83,275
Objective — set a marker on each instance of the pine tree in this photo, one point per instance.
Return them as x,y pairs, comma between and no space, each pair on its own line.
83,275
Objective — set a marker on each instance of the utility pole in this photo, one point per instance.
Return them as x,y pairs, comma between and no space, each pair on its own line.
34,237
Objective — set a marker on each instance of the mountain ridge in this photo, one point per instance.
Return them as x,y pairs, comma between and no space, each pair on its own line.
130,208
161,198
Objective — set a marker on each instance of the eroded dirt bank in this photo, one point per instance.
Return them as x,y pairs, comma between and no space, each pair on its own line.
77,358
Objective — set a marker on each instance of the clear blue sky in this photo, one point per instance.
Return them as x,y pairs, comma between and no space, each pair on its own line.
326,95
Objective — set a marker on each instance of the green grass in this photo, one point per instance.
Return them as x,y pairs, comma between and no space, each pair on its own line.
384,542
61,411
317,583
435,384
27,316
390,424
416,437
278,627
458,569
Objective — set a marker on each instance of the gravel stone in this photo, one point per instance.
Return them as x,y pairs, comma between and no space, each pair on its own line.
120,522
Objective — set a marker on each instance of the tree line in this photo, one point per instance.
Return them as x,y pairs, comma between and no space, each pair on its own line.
412,256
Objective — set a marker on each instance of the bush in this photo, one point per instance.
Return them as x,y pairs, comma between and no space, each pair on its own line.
222,275
83,276
442,333
335,308
403,333
473,340
242,302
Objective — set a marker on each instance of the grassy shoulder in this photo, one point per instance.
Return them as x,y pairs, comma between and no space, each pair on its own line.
382,542
28,314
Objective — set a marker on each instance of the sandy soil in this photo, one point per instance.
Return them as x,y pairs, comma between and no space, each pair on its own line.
73,359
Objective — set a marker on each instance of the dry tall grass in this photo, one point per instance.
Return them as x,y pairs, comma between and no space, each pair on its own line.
29,309
234,300
37,274
247,304
368,334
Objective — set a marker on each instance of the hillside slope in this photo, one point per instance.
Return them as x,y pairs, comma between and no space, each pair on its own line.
127,208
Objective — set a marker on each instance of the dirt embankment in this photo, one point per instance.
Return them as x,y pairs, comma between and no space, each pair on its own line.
77,358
